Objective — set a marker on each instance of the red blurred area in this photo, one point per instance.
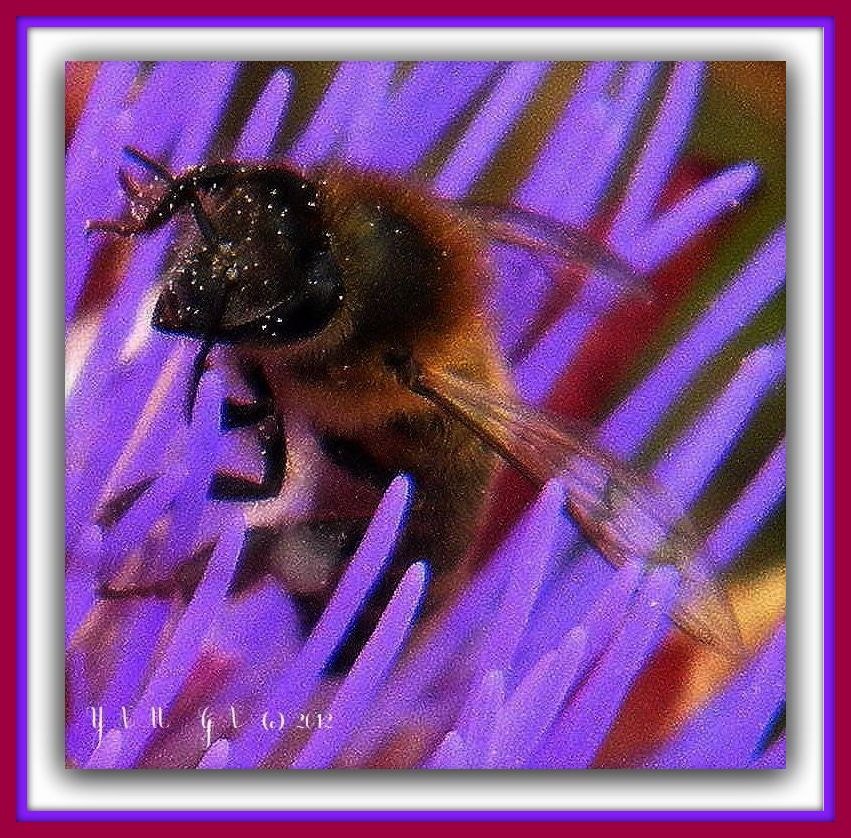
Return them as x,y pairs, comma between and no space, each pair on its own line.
79,76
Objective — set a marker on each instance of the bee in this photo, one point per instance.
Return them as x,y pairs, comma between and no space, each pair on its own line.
356,304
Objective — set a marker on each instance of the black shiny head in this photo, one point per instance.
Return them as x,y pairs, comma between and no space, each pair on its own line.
267,276
260,268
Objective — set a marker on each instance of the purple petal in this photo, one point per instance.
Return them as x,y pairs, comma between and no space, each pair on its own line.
634,419
686,467
490,127
532,708
216,756
451,753
477,720
532,548
368,673
750,511
184,646
106,754
580,731
300,679
258,135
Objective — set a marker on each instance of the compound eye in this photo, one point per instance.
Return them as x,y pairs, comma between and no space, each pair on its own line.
317,303
188,302
306,310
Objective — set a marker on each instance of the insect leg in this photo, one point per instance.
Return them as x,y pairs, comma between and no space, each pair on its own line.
239,414
131,186
179,192
149,163
233,487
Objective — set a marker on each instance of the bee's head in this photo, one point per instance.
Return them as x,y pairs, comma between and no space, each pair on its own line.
261,271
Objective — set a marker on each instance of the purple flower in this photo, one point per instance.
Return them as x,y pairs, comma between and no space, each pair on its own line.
535,662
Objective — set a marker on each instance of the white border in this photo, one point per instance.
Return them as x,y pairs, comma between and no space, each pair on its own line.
799,787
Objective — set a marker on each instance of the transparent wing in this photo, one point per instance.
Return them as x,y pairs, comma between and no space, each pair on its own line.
546,238
623,513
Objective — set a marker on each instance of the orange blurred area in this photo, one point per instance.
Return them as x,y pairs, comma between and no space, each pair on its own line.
758,86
